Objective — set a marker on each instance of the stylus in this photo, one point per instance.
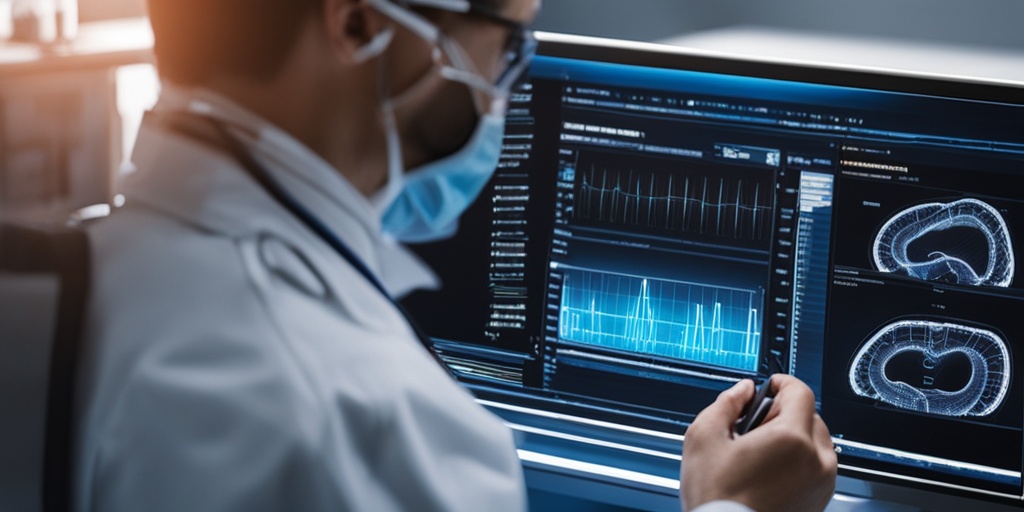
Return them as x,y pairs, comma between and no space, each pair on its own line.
756,410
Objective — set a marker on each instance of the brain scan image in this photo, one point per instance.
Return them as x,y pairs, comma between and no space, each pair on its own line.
962,242
937,368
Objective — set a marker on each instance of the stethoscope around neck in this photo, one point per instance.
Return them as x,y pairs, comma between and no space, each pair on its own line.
197,126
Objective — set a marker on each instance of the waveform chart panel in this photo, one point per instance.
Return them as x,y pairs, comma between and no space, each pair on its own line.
728,207
692,322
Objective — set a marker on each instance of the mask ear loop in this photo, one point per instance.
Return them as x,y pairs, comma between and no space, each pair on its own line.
396,166
374,49
464,72
461,69
376,46
395,162
458,71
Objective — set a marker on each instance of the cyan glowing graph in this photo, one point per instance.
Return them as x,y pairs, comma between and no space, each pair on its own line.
693,322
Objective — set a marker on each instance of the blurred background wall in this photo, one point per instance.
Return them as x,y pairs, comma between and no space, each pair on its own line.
51,154
92,10
958,22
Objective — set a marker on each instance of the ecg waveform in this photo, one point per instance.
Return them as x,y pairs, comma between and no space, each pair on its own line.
693,322
729,207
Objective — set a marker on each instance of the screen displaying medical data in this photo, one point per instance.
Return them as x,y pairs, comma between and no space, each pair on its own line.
654,234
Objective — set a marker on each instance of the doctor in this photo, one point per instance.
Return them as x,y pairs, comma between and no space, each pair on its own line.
244,350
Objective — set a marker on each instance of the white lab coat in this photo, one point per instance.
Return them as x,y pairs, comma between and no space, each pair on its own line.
234,362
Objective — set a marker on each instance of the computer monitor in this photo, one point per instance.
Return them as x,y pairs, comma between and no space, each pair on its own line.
666,222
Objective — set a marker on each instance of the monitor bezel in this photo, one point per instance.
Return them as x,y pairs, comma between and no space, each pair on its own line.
813,72
821,73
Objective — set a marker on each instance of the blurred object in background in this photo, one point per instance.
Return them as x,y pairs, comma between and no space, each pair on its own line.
999,63
6,23
990,24
35,21
95,10
44,21
61,140
68,113
66,18
138,87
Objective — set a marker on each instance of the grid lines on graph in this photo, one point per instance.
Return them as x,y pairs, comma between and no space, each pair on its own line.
691,202
694,322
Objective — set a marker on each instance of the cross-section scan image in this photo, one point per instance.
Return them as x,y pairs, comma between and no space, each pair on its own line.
930,367
926,242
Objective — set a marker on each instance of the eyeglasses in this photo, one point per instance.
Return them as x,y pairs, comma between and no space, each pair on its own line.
519,50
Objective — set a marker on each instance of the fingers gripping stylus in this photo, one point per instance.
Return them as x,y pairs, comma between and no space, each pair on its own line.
757,409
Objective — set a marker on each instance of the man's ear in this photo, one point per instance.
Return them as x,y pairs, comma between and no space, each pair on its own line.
357,31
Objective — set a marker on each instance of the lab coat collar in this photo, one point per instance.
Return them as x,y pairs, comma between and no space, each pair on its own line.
208,188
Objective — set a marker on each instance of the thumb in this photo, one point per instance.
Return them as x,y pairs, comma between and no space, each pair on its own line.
723,413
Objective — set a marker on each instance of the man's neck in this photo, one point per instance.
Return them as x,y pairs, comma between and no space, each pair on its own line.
333,123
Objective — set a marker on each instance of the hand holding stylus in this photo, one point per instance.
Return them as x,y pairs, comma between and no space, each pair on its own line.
785,464
757,409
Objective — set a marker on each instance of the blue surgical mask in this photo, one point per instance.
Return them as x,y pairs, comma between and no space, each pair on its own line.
433,197
424,204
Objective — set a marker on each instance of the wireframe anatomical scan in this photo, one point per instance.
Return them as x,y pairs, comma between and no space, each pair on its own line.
933,367
912,243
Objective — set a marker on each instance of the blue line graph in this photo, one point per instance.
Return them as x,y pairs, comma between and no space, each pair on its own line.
693,322
689,202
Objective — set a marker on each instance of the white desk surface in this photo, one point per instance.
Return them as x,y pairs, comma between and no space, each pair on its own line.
98,44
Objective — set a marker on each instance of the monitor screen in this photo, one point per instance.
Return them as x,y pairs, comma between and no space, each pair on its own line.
665,223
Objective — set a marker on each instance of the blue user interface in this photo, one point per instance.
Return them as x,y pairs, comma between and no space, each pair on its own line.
653,235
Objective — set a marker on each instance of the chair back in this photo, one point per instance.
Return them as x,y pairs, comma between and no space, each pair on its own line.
44,286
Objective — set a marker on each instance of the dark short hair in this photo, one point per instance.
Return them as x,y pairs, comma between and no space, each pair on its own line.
194,39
